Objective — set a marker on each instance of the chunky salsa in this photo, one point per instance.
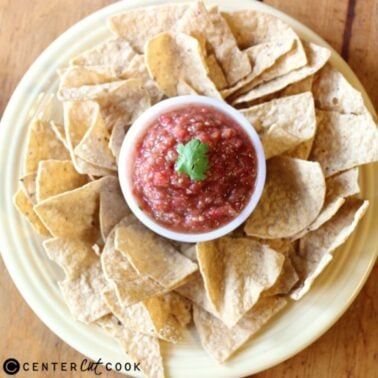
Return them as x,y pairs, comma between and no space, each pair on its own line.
175,200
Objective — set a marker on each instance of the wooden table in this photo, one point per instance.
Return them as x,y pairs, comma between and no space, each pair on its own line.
350,347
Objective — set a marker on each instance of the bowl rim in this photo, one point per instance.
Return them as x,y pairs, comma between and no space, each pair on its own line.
127,155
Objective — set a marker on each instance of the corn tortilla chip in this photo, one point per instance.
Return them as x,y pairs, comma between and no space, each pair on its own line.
152,317
252,28
141,348
78,118
184,89
172,58
301,151
235,272
293,197
73,214
268,66
153,256
59,132
72,255
78,76
131,25
210,25
115,52
298,87
42,144
130,287
120,101
137,69
317,56
94,147
84,280
339,187
57,176
29,186
316,248
194,290
113,207
221,342
116,139
82,295
344,141
215,72
288,276
333,92
283,123
25,207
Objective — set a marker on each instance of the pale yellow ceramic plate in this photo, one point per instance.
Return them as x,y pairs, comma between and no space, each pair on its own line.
35,276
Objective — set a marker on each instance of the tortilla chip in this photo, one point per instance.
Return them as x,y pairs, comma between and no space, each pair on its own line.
73,214
235,272
25,207
344,184
316,248
215,72
317,56
172,58
120,101
94,147
298,87
293,197
252,28
131,25
344,141
130,287
82,295
269,63
115,53
29,186
292,60
211,26
116,139
72,255
141,348
283,123
221,342
194,290
286,280
42,144
179,307
339,187
78,76
153,256
59,132
152,317
262,57
78,118
113,207
333,92
55,177
84,280
184,89
137,68
301,151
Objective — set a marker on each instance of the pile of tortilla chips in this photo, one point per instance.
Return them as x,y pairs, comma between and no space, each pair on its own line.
145,289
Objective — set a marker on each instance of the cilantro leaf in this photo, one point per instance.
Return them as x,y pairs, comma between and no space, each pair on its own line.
193,159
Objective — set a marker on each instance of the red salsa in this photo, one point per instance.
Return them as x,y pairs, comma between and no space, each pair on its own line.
172,198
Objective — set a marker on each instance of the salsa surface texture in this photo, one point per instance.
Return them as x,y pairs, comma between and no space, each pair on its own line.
172,198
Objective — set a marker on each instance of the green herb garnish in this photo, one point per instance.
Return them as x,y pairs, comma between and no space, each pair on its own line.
193,159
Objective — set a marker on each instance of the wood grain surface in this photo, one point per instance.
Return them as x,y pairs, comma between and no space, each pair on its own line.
350,347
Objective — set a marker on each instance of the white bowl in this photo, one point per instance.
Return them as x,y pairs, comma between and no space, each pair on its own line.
127,156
